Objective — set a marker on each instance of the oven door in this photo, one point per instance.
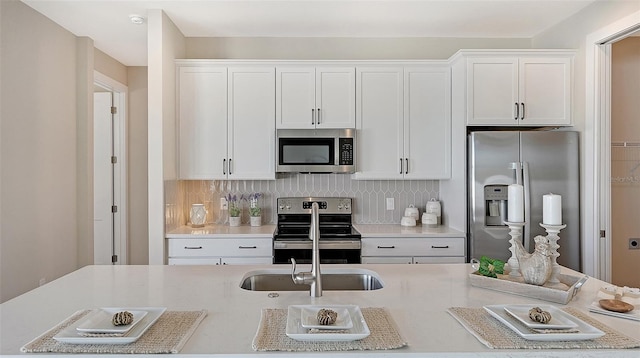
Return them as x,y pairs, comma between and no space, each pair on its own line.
331,252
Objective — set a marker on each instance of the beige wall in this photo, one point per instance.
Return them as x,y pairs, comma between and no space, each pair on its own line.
322,48
138,232
110,67
38,238
166,43
625,162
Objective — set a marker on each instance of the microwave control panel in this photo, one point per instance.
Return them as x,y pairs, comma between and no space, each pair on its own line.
345,146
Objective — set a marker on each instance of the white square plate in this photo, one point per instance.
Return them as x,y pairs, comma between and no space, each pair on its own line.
295,330
309,317
558,319
585,330
71,335
100,321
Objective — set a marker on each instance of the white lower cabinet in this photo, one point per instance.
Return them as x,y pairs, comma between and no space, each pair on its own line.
414,250
236,251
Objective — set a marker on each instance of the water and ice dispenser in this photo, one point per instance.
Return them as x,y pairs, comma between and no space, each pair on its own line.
495,205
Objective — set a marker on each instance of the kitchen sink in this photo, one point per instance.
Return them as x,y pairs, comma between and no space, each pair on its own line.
332,280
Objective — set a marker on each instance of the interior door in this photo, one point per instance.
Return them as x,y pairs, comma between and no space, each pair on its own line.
102,179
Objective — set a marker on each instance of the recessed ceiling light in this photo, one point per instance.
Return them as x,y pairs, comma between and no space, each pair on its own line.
136,19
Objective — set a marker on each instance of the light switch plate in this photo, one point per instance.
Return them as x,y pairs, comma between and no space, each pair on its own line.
390,204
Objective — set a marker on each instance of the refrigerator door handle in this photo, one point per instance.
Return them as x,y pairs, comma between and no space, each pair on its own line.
527,206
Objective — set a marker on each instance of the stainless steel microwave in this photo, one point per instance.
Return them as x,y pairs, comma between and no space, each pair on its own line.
315,150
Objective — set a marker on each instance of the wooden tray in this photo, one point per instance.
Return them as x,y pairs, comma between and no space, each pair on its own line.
558,293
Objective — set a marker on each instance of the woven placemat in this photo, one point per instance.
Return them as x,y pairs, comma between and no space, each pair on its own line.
168,335
271,335
492,333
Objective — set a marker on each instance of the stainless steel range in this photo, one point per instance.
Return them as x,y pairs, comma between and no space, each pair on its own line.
339,240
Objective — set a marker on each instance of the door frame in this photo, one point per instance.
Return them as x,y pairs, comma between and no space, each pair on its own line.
596,251
120,227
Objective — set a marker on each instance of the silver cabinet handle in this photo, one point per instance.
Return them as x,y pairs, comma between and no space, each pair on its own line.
406,170
318,119
522,114
193,247
386,247
224,164
313,116
439,247
247,247
400,165
229,169
517,111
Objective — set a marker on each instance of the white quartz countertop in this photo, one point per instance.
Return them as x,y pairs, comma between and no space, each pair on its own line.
398,231
367,230
221,231
417,296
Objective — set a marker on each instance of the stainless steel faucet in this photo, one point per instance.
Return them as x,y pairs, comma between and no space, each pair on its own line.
313,278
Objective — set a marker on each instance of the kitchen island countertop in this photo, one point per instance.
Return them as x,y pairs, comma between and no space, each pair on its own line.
417,296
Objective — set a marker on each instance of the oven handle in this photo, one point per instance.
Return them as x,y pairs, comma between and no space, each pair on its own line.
332,245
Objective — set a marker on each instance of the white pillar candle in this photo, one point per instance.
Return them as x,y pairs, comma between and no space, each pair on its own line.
552,209
515,207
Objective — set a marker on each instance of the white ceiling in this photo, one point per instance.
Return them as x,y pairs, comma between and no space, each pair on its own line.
107,21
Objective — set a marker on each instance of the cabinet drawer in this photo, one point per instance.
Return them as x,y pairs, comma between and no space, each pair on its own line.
446,246
220,247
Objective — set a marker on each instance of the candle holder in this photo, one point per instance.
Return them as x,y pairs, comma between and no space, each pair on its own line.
515,230
552,236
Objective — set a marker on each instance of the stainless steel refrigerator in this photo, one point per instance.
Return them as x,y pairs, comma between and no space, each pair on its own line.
543,162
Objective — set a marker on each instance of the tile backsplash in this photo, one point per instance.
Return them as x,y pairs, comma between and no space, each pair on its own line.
369,196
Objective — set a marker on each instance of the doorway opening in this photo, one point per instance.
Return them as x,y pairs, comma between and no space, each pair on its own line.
109,174
598,223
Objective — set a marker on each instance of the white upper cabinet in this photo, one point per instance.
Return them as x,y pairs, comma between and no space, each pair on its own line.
315,97
226,122
251,124
519,91
403,122
202,122
379,123
427,122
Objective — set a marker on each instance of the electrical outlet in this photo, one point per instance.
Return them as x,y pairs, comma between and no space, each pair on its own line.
223,204
390,204
634,243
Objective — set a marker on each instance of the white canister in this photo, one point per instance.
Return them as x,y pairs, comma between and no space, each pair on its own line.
433,207
198,215
429,220
412,211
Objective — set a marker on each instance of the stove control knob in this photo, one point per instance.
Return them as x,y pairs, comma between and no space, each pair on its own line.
288,207
281,207
339,206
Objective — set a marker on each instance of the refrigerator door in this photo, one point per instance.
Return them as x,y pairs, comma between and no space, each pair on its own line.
553,163
491,158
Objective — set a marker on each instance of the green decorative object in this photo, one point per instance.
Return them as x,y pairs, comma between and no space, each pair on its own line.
490,267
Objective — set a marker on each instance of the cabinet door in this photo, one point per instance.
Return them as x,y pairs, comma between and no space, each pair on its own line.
202,122
492,91
335,97
427,123
545,91
379,125
295,97
251,123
